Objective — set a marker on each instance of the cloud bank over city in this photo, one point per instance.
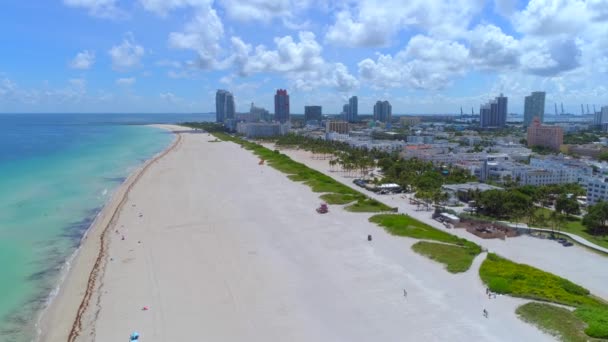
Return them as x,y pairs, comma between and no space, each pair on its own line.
424,56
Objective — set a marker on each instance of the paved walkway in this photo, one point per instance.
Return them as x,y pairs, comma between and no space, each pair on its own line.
574,237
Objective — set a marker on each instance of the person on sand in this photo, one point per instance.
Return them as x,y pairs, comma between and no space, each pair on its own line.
369,237
485,313
404,293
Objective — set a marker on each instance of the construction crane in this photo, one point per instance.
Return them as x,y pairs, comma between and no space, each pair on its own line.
555,109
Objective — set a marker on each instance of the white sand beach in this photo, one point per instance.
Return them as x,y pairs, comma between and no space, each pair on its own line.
219,248
577,263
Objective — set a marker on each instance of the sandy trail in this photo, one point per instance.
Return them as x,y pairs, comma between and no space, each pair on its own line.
222,249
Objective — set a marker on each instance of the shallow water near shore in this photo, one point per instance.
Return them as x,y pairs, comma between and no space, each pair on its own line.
56,173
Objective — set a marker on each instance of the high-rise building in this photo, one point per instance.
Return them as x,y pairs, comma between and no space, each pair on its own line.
224,105
313,113
494,113
601,117
534,106
383,111
258,113
546,136
281,106
352,113
345,110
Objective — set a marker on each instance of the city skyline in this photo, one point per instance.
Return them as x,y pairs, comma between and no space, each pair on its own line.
171,56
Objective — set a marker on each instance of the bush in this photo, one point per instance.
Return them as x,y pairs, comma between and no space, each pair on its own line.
596,318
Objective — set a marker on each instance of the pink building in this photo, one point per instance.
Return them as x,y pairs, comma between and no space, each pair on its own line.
547,136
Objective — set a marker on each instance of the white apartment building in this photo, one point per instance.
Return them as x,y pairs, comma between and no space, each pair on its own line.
596,190
262,129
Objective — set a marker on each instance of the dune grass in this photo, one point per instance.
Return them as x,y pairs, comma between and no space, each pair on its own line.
405,225
335,192
559,322
456,253
520,280
456,259
368,205
338,198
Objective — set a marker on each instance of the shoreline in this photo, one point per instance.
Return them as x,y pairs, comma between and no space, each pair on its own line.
79,270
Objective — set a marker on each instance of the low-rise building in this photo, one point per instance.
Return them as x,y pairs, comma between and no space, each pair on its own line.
262,129
462,192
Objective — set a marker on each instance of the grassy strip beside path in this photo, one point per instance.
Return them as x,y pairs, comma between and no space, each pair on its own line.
559,322
520,280
457,257
335,192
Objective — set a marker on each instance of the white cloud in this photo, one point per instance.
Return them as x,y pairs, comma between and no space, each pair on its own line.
202,34
98,8
552,17
162,7
127,55
84,60
491,48
425,63
549,57
126,82
262,10
300,61
376,23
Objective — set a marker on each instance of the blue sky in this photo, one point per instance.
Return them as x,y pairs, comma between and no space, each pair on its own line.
425,56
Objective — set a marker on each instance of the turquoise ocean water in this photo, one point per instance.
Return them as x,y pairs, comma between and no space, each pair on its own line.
56,173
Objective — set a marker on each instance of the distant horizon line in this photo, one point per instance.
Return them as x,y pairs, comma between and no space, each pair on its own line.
302,114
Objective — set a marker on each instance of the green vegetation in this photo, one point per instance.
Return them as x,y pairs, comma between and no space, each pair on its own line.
456,253
456,258
542,150
555,320
338,198
580,138
368,205
596,219
519,280
335,192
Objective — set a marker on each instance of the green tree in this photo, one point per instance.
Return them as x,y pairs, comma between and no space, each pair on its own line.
603,156
596,219
567,205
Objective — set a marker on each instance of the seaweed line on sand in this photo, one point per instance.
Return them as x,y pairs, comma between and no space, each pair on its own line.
101,256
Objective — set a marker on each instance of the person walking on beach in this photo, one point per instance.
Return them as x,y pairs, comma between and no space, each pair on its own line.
404,293
485,313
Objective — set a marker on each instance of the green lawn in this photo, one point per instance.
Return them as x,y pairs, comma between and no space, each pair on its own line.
456,258
520,280
573,225
556,321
